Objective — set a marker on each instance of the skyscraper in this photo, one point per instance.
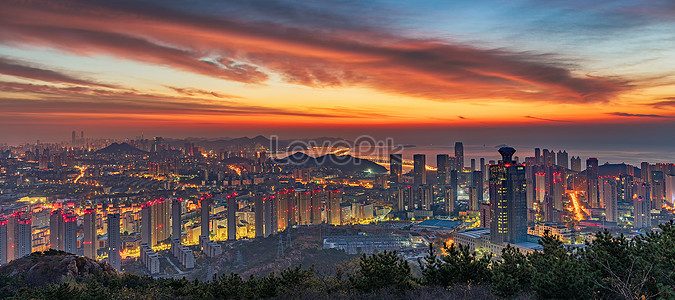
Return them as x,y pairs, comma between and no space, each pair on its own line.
395,168
334,211
303,208
4,241
176,221
114,241
642,206
450,200
608,197
419,169
473,164
575,164
459,155
69,232
90,237
270,215
232,207
146,224
442,167
477,183
22,234
562,159
537,156
592,183
508,203
259,215
204,216
55,220
315,207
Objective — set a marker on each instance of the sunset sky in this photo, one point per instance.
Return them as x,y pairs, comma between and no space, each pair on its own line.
570,71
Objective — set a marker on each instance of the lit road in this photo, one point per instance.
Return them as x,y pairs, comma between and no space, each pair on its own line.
578,210
82,170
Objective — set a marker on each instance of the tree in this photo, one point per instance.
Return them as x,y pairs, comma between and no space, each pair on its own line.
558,274
382,270
459,265
512,275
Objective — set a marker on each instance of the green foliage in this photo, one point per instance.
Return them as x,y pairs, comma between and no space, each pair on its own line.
382,270
608,268
558,274
458,266
512,275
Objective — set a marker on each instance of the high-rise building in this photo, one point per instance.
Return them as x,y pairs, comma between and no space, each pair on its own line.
69,232
508,203
477,183
232,207
399,196
258,200
575,164
473,164
89,240
426,193
205,216
315,207
334,199
282,207
450,200
270,215
473,199
608,198
114,241
562,159
642,206
459,155
670,189
55,241
395,168
419,169
4,241
442,167
645,172
537,156
161,220
303,208
658,183
146,224
592,183
22,234
176,221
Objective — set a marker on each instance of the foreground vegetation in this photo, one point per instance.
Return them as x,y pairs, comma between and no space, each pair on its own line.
609,268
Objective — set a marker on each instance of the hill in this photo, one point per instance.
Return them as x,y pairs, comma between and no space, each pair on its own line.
41,268
344,163
120,149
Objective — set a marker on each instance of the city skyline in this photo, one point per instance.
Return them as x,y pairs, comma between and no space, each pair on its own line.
594,74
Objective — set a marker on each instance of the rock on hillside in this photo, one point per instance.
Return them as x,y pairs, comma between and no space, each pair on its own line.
40,268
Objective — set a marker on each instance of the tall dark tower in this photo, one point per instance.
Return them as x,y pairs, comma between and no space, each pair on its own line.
395,168
114,241
419,169
459,155
176,223
592,183
443,167
508,202
232,207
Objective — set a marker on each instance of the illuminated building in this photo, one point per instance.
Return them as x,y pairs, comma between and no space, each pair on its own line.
427,197
608,197
442,161
315,207
508,202
400,199
176,222
575,164
21,222
155,220
270,215
459,156
670,189
645,172
232,207
395,168
562,159
4,241
334,199
410,195
658,188
642,206
304,208
258,200
55,241
69,232
419,169
282,208
450,200
89,237
592,183
473,199
114,241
